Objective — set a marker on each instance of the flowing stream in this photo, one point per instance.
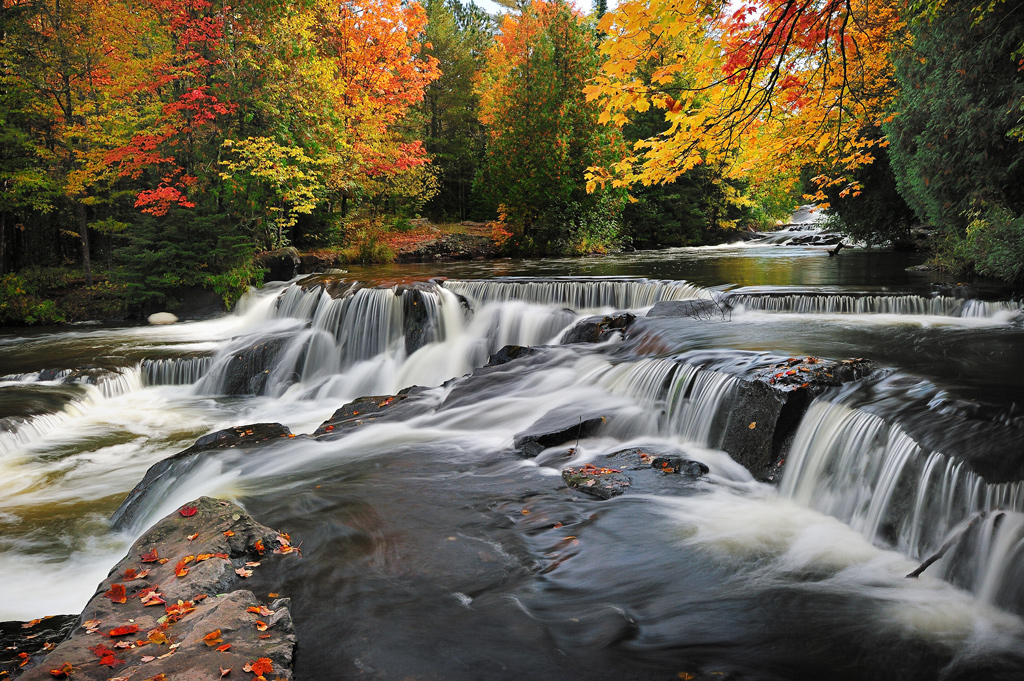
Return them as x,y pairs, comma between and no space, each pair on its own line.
432,548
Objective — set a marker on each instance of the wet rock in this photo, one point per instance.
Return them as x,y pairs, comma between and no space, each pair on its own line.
510,353
697,309
281,265
318,262
162,318
603,483
33,640
182,603
450,247
418,325
768,407
557,427
598,329
247,371
163,473
372,408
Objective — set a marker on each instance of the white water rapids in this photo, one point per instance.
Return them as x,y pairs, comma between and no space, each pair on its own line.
860,503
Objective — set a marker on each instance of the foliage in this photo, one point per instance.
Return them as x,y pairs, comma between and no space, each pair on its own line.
951,147
542,134
20,304
757,87
992,245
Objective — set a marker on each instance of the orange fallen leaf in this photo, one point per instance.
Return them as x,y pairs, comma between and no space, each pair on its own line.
229,533
198,597
224,648
91,625
261,610
117,593
25,659
265,635
261,666
29,625
157,636
129,574
224,672
242,572
110,661
213,638
158,677
193,536
152,598
260,549
188,511
261,625
272,595
123,631
149,557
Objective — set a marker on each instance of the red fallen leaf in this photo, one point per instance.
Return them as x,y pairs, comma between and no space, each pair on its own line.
110,661
224,648
222,555
152,599
117,593
139,642
129,574
213,638
198,597
261,625
224,672
188,511
122,631
261,610
265,635
64,672
25,659
101,650
149,557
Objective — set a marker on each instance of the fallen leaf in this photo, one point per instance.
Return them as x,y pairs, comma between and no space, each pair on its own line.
164,560
91,625
29,625
110,661
261,625
224,648
188,511
213,638
129,574
123,631
149,557
63,672
157,636
152,598
229,533
262,610
117,593
224,672
158,677
262,666
121,645
272,595
148,658
198,597
252,563
265,635
25,659
242,572
193,536
204,556
260,549
753,424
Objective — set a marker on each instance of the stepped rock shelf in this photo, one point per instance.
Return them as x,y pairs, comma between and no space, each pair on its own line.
539,476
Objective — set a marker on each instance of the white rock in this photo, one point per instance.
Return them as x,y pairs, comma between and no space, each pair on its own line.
162,318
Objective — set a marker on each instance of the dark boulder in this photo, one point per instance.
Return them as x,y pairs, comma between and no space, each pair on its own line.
209,546
163,473
373,408
281,265
557,427
510,353
598,329
637,470
247,370
603,483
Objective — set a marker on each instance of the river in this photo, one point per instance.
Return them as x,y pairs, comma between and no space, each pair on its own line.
433,550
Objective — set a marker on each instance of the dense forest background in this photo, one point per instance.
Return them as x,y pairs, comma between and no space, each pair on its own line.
150,147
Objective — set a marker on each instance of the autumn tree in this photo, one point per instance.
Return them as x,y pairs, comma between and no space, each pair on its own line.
543,134
761,87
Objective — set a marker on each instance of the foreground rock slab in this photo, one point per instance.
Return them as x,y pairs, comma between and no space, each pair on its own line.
173,608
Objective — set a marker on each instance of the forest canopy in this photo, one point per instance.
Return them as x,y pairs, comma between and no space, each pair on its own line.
164,143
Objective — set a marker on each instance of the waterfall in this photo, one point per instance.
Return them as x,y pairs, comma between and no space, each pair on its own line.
174,370
870,474
686,398
810,303
582,295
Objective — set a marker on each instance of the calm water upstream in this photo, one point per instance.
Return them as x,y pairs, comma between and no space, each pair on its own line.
432,550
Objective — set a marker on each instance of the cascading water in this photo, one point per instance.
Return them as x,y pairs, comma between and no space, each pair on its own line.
430,510
817,303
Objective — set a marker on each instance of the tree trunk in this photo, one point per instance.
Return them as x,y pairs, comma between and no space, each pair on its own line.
83,232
